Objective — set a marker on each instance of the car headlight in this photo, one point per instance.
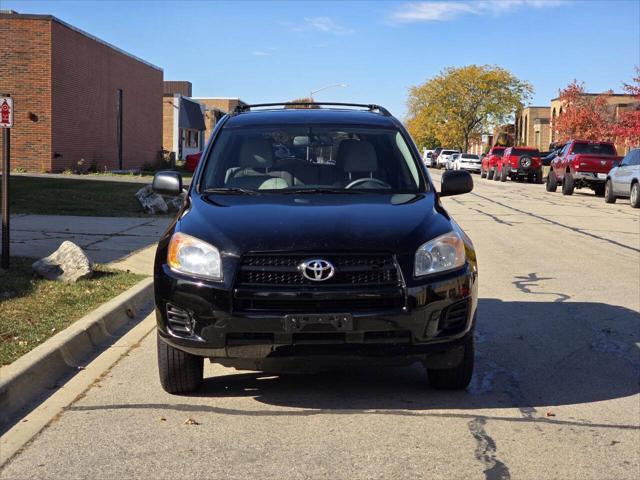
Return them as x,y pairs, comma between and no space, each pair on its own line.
189,255
441,254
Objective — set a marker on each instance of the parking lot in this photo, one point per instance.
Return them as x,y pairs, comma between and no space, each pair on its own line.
555,392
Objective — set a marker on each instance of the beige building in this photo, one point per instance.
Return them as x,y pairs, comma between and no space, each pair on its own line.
533,127
214,109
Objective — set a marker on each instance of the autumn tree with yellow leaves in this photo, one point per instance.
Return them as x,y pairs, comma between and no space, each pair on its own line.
459,104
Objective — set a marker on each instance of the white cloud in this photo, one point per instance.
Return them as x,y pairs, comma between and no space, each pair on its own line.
260,53
442,10
323,24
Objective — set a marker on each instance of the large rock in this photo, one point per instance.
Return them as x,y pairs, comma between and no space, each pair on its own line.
175,203
67,264
151,202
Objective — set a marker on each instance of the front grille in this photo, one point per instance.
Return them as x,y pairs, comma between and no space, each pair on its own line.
283,269
329,305
274,282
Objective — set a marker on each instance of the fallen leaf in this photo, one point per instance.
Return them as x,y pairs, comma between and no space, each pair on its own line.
162,419
190,421
129,313
551,414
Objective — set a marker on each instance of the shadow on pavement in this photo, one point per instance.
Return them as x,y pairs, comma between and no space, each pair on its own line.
529,354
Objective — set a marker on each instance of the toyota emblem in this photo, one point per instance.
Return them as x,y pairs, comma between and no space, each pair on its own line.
317,270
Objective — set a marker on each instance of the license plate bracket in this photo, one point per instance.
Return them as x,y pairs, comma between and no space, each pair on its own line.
342,322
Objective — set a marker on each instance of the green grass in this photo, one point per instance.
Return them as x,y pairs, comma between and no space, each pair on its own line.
50,196
33,309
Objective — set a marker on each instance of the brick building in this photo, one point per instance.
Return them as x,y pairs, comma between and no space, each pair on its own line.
532,127
78,101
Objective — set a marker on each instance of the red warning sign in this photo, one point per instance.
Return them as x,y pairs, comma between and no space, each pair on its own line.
6,112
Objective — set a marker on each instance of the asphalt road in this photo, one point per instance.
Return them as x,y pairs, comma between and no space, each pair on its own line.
555,394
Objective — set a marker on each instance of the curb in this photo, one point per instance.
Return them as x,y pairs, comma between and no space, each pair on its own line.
36,374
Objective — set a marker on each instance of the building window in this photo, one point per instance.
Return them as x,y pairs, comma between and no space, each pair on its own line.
191,138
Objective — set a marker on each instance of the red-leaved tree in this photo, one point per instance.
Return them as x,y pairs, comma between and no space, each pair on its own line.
583,116
627,128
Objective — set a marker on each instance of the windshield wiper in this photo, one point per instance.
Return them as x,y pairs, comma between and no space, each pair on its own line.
228,191
320,190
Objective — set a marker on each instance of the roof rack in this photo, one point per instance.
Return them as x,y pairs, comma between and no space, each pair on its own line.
369,106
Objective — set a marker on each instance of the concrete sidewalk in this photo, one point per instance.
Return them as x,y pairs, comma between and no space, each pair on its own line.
123,242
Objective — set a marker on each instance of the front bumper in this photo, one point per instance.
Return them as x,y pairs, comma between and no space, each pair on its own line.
428,323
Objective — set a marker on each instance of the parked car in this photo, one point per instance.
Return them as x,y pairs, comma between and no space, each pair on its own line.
520,163
466,161
582,163
282,265
444,159
489,164
191,161
426,157
624,180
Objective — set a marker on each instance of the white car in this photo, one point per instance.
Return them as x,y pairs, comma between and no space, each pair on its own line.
427,156
624,180
444,158
466,161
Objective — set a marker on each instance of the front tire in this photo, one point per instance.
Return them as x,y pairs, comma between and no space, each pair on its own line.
483,174
180,372
458,377
609,197
490,174
634,197
568,185
496,174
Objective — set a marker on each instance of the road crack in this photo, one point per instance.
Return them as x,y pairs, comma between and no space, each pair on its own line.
486,451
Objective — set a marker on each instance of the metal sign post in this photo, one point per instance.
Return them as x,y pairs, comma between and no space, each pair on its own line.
6,122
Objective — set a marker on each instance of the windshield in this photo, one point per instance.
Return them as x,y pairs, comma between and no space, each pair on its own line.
311,158
470,156
498,152
594,148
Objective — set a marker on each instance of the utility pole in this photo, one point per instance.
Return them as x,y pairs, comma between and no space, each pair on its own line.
6,122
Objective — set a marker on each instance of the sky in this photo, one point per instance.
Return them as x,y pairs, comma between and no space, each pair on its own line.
276,51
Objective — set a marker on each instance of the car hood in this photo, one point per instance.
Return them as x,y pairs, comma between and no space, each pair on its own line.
237,224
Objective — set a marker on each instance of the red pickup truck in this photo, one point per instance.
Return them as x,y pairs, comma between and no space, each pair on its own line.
490,162
518,163
582,163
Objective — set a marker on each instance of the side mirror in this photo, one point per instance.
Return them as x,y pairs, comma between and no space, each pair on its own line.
167,182
455,182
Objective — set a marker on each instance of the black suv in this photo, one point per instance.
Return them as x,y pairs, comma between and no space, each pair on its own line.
311,238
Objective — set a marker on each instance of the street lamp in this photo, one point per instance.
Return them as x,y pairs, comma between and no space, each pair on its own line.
343,85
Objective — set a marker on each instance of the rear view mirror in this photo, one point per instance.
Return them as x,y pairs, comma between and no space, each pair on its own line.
167,182
455,182
301,141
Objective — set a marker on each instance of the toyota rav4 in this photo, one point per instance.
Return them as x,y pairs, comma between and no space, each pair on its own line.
312,238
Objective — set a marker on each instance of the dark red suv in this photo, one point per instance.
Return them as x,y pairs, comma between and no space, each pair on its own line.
520,163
